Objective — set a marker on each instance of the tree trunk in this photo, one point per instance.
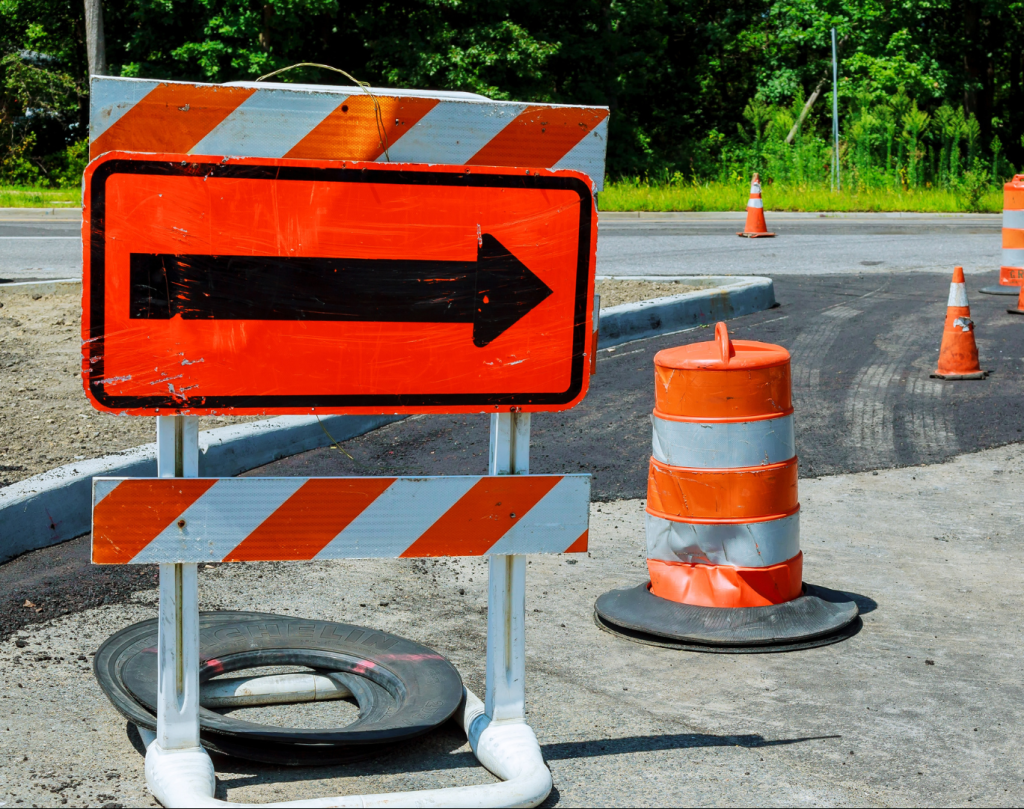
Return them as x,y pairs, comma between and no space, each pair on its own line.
814,96
96,45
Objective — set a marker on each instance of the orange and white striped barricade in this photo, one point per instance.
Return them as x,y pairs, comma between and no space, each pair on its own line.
1011,272
218,293
318,122
723,517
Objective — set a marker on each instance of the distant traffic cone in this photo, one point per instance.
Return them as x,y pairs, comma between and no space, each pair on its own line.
756,226
958,356
1020,304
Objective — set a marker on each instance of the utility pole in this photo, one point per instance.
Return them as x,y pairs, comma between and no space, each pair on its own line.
835,111
95,42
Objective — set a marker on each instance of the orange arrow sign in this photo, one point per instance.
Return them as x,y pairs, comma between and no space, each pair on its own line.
259,286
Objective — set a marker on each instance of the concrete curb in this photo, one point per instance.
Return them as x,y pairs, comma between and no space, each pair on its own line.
56,506
724,298
38,287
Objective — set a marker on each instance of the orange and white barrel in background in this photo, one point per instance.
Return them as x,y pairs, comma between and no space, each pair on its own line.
723,513
1011,272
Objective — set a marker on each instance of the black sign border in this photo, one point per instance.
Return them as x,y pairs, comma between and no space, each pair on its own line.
471,178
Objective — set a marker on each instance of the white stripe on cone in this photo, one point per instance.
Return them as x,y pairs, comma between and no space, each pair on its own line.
1013,257
756,544
957,295
755,203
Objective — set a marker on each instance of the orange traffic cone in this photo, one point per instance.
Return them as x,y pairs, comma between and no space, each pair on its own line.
1020,304
958,356
756,226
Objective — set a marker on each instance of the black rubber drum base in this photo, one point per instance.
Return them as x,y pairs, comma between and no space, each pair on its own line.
999,289
402,689
813,619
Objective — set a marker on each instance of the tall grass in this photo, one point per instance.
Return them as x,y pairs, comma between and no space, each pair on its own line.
39,197
643,195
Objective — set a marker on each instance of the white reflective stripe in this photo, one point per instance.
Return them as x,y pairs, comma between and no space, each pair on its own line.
396,519
725,445
1013,220
269,123
101,488
452,132
110,100
557,521
218,521
755,203
755,188
758,544
1013,257
588,155
957,295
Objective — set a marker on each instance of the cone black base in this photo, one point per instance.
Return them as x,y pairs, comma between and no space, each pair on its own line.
755,235
1015,311
817,618
999,289
979,375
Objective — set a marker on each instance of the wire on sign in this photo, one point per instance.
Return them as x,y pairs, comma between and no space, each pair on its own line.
382,134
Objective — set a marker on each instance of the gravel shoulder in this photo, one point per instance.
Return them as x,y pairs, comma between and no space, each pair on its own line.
46,420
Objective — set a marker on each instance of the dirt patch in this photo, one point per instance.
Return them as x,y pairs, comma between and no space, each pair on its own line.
614,292
45,418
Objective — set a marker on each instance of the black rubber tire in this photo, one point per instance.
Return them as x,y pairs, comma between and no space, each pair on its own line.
817,618
403,689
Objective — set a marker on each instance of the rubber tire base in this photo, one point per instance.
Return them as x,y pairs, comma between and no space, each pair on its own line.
405,689
756,235
979,375
813,619
999,289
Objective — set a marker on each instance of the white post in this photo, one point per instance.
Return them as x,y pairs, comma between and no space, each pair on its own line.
835,109
177,701
505,699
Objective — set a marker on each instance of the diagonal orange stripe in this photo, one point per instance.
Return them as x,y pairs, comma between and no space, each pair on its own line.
351,132
309,519
482,516
580,545
1013,238
170,118
131,516
539,136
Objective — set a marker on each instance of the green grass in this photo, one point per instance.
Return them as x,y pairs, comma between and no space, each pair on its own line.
630,195
40,198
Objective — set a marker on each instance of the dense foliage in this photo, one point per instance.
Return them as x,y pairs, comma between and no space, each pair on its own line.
931,91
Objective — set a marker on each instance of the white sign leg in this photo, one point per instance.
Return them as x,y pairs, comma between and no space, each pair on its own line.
505,698
177,717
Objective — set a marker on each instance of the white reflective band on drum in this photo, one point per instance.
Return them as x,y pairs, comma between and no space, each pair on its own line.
1013,257
724,445
758,544
755,203
957,295
1013,219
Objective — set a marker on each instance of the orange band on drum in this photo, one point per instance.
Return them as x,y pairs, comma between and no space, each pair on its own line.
723,586
703,395
750,493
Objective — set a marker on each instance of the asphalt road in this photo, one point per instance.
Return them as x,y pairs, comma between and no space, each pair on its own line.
863,347
657,244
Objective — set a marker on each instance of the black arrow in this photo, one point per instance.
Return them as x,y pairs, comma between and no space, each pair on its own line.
493,293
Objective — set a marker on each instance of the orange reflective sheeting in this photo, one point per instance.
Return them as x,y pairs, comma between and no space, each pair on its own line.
128,518
171,118
1013,238
274,286
539,136
352,131
719,494
722,586
301,528
483,515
